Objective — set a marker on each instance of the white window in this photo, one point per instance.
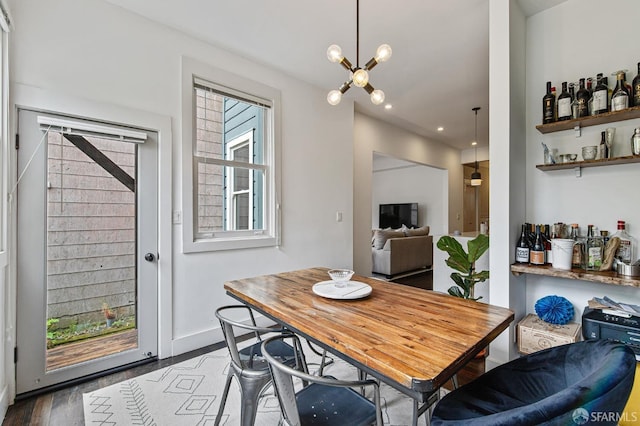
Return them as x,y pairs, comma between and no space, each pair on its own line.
230,186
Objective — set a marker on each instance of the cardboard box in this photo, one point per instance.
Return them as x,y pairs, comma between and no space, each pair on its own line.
535,334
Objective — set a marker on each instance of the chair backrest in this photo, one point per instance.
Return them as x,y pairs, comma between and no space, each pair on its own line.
283,382
227,324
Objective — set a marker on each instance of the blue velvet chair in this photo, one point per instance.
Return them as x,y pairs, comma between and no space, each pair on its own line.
580,383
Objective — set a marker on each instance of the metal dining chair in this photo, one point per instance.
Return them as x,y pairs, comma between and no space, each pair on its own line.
321,400
248,365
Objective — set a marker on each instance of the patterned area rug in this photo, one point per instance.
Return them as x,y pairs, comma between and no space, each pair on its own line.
189,393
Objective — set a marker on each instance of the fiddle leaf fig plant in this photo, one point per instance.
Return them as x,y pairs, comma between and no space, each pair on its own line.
464,263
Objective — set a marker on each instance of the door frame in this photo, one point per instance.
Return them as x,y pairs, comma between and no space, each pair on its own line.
28,97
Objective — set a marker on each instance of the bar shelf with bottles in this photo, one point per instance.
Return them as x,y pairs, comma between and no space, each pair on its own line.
590,106
578,258
604,277
627,159
591,120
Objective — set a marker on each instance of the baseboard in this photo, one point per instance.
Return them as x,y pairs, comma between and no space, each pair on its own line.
204,338
4,402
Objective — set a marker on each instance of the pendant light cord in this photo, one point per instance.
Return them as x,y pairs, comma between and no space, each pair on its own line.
357,33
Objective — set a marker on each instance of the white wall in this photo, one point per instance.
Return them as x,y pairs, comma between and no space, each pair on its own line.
507,159
373,136
96,51
407,182
604,194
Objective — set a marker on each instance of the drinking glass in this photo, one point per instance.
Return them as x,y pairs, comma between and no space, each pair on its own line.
610,134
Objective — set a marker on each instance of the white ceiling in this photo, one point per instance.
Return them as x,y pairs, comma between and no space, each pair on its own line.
438,72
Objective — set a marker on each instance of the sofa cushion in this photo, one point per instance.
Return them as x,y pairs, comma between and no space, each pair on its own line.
382,235
415,232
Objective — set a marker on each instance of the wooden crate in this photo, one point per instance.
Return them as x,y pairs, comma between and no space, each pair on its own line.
535,334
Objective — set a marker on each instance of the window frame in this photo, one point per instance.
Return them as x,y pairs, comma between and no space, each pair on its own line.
244,140
197,73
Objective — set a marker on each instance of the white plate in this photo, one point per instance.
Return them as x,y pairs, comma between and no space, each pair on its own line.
352,290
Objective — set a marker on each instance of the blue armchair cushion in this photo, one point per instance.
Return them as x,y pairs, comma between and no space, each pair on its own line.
546,387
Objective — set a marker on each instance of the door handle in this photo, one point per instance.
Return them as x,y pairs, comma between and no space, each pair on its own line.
149,257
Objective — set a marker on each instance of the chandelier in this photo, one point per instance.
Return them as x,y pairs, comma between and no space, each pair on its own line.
359,76
476,178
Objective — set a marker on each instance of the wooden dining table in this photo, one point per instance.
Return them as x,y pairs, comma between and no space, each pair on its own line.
409,338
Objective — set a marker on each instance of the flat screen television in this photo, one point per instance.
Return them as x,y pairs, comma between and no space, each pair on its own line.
396,215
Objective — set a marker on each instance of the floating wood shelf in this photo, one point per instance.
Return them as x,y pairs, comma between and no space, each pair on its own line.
592,120
590,163
608,277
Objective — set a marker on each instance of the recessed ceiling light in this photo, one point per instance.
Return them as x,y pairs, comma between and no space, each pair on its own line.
388,106
440,129
474,143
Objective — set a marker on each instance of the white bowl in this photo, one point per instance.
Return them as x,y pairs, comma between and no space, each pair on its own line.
340,276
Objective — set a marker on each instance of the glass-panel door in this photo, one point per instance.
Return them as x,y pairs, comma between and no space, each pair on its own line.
87,238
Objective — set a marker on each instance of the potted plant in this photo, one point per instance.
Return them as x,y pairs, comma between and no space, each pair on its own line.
464,263
109,314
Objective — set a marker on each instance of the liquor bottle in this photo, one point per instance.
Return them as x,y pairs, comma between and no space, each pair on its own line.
595,250
578,247
636,88
548,106
627,246
523,246
564,103
600,96
582,99
574,102
536,255
548,255
603,149
620,96
590,90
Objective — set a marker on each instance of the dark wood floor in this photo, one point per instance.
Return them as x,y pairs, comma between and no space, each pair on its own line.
63,407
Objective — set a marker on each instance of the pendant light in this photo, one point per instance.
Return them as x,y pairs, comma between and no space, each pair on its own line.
359,76
476,178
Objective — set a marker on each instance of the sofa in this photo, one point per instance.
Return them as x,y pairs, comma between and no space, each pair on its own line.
399,251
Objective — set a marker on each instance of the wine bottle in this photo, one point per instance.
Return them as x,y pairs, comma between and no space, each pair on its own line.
582,99
578,247
523,246
620,96
574,102
636,88
564,103
548,255
536,255
603,149
548,106
595,250
600,96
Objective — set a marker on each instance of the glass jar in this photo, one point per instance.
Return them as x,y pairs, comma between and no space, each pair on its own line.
635,142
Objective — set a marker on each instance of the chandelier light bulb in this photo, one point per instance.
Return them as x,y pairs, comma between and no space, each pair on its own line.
360,77
377,97
334,97
334,53
383,53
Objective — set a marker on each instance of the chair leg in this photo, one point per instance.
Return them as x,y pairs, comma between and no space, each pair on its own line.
251,390
454,381
223,399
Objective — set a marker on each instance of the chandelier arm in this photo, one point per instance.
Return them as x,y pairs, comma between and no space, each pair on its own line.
345,63
345,86
369,88
372,63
